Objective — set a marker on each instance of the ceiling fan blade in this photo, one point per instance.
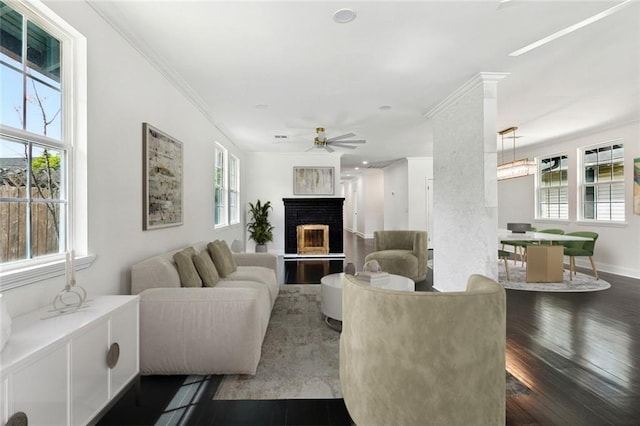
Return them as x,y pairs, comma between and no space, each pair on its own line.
337,138
352,141
307,150
343,146
328,148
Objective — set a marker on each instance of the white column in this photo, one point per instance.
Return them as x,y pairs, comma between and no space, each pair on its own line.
465,183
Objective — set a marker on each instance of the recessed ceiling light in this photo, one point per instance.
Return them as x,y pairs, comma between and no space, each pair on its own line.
357,168
342,16
384,107
365,162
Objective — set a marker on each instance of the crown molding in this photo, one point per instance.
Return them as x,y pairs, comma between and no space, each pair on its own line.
478,80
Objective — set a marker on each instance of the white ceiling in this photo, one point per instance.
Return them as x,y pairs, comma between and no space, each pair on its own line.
264,68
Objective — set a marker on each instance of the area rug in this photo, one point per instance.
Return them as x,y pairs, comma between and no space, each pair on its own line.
300,355
580,282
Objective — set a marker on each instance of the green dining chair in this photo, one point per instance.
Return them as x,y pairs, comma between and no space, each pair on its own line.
553,231
504,255
580,248
519,248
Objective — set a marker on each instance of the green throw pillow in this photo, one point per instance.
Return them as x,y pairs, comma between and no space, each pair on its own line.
206,268
186,269
222,257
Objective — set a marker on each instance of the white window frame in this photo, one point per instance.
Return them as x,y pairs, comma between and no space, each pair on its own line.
223,219
538,188
583,184
74,136
234,189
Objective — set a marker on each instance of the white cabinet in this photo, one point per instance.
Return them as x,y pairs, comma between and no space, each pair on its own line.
64,369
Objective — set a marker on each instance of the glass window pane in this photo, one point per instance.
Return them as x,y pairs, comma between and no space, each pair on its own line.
563,195
618,171
603,193
589,174
617,192
604,154
617,211
589,210
13,164
11,111
563,211
45,173
45,226
589,193
590,156
10,35
43,53
44,105
13,239
603,211
618,151
604,173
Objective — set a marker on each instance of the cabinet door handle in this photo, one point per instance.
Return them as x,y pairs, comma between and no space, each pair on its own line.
113,354
18,419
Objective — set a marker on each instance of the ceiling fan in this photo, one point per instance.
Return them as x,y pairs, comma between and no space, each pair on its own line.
321,141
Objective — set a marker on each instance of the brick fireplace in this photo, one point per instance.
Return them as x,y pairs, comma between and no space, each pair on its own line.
313,211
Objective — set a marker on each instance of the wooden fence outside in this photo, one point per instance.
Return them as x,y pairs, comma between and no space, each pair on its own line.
13,217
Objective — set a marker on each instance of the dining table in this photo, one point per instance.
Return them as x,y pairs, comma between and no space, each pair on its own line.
545,261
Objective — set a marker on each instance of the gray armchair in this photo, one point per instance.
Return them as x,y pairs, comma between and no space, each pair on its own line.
424,357
401,253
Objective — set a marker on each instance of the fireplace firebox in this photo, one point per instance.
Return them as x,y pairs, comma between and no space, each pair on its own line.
313,211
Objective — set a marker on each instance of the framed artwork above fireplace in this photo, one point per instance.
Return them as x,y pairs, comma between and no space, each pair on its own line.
313,181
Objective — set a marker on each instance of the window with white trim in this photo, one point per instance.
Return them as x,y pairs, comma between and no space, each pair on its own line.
34,152
553,188
234,189
602,183
43,137
220,180
227,187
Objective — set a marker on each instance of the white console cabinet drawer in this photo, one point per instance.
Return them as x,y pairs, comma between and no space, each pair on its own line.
64,369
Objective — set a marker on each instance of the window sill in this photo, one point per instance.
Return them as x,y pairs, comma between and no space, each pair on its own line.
602,223
34,273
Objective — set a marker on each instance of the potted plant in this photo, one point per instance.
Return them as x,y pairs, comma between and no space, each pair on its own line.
260,230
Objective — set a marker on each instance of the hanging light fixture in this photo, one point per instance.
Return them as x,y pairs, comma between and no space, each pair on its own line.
513,169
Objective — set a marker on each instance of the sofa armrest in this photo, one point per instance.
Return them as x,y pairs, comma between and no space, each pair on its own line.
267,260
156,272
202,330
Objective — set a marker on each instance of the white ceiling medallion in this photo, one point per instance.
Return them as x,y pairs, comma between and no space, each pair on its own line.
343,16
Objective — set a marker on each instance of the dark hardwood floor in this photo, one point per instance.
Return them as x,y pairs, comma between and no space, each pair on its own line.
578,352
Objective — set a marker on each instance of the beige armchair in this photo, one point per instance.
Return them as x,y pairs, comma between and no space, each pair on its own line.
401,253
424,357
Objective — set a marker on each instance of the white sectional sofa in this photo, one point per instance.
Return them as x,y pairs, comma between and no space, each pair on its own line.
204,330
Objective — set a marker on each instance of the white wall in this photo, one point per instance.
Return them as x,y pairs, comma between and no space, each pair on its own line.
372,202
406,203
348,192
618,245
269,177
124,91
365,195
396,196
420,199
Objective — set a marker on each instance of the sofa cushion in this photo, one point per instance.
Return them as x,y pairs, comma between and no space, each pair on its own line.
222,257
258,274
206,268
186,269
